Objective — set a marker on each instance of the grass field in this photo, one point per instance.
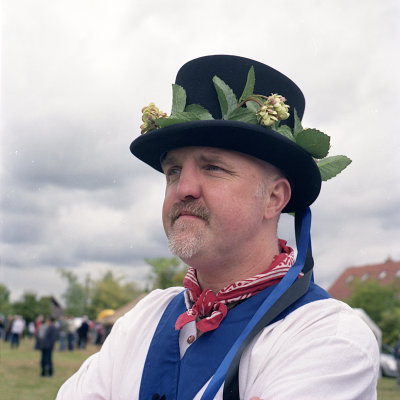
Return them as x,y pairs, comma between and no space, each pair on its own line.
19,371
20,380
388,389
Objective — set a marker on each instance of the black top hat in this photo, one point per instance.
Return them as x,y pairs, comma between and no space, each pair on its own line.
256,140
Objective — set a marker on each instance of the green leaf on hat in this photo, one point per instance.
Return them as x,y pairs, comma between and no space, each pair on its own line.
314,142
329,167
285,131
176,118
178,99
249,88
199,111
243,115
226,97
297,124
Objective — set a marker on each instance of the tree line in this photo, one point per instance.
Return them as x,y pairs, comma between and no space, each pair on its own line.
90,297
381,303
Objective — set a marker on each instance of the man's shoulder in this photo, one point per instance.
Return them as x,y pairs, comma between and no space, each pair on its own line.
325,342
159,296
150,306
329,318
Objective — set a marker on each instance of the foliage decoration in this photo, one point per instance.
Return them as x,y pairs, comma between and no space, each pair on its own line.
268,111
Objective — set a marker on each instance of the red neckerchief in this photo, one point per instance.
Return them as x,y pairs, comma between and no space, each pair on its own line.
211,308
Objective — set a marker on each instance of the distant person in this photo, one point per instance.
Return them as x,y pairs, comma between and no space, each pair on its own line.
397,358
9,323
63,331
71,334
2,329
99,331
17,330
38,324
31,329
47,336
83,333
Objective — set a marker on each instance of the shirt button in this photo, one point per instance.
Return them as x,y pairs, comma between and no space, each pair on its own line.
190,339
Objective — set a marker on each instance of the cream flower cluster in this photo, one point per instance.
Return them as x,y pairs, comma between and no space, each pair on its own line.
149,115
273,110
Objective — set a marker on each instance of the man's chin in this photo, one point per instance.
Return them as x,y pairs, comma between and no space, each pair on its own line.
185,245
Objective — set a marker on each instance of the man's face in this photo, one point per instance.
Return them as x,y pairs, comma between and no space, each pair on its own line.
214,203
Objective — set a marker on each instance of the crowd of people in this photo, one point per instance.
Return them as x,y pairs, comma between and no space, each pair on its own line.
70,332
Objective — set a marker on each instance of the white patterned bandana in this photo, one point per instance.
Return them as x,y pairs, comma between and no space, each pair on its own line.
211,308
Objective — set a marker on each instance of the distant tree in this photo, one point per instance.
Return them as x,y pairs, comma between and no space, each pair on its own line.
29,306
390,325
110,292
381,303
76,295
373,297
5,306
166,272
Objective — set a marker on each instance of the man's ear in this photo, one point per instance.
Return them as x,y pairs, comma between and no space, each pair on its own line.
279,196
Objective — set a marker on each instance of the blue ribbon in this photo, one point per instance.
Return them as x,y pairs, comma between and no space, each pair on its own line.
281,287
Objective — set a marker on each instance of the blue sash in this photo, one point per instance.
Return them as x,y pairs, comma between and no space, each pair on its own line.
167,375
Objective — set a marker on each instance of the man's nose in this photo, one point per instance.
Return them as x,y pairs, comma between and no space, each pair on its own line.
189,184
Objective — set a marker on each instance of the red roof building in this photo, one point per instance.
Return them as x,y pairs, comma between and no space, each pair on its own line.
385,273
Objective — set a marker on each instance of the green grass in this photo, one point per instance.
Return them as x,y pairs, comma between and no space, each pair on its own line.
20,380
19,371
388,389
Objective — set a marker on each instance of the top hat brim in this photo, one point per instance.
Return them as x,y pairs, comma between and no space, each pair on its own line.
255,140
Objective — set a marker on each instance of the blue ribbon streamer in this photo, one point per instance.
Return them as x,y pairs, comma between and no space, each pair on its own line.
281,287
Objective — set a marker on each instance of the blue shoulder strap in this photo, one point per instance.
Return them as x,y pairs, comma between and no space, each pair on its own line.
279,299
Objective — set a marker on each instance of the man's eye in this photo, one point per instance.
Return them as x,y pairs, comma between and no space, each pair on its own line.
172,171
213,168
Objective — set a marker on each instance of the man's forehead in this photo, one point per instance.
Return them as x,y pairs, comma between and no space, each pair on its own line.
196,150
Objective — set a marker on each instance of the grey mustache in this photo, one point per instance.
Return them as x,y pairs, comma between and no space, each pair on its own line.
193,208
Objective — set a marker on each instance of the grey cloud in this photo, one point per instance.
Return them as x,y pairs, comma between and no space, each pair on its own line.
74,197
22,229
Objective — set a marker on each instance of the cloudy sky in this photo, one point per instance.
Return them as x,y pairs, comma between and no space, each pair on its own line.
75,75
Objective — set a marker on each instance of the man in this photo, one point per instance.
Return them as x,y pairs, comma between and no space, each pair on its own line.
71,333
46,339
82,332
17,330
251,323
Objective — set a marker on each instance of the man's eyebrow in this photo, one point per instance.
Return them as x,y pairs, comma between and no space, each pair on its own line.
168,160
214,158
208,157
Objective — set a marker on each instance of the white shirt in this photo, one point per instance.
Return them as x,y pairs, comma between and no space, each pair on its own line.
18,326
322,350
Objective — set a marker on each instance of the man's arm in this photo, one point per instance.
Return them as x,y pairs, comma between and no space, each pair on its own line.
322,350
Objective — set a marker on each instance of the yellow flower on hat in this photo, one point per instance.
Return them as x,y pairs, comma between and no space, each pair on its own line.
278,103
266,115
149,115
273,110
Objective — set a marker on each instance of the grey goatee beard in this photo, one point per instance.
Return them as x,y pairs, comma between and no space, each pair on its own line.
186,238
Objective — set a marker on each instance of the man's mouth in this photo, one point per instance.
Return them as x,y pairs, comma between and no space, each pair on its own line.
189,210
186,214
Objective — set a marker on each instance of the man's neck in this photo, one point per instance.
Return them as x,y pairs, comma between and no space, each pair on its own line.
222,274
